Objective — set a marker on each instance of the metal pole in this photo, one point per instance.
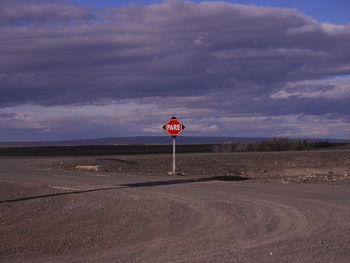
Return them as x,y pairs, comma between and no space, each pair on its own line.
174,169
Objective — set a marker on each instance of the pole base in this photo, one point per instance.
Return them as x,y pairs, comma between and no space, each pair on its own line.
176,173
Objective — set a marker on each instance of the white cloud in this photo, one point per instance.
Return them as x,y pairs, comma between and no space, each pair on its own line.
330,88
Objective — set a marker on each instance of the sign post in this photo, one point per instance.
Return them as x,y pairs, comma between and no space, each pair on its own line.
173,127
174,160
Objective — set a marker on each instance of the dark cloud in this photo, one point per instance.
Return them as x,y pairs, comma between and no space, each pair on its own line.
17,12
219,58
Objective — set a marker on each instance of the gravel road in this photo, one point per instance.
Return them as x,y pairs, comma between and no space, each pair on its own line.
73,216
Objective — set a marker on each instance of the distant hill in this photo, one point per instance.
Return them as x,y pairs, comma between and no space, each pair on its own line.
144,140
158,145
133,140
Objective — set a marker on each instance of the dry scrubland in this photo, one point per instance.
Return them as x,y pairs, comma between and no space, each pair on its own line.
301,166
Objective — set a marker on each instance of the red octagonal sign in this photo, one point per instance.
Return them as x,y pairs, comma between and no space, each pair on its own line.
173,127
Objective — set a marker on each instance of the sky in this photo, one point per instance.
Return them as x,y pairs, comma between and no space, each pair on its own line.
246,68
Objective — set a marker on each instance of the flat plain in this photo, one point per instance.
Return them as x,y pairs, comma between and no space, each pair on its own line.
225,207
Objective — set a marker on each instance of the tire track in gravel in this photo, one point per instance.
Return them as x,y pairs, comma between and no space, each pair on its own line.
234,225
222,230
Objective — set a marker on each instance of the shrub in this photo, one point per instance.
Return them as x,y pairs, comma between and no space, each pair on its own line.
273,144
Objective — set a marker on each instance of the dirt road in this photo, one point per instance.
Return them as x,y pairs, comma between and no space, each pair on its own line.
70,216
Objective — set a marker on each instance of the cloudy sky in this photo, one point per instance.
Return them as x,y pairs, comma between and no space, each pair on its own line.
88,69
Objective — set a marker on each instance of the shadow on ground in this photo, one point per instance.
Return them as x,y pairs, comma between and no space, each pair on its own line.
123,186
185,181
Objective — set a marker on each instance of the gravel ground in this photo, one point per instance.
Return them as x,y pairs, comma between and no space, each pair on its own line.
296,210
322,166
